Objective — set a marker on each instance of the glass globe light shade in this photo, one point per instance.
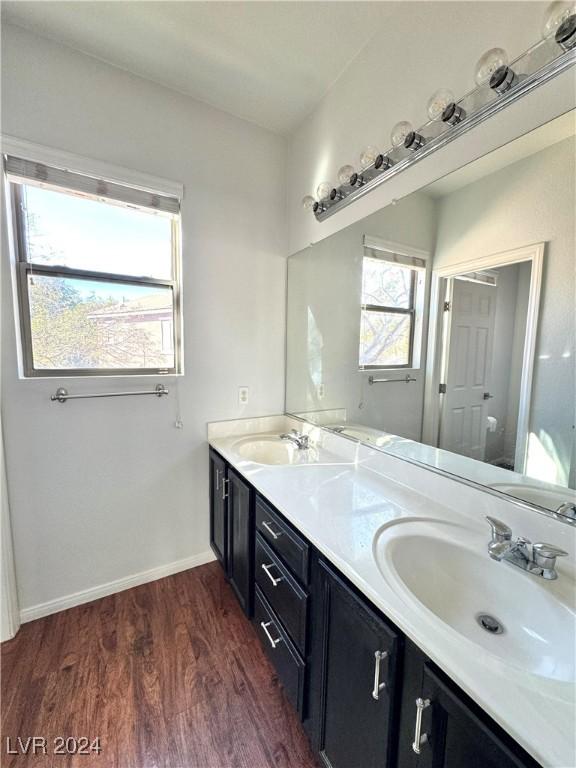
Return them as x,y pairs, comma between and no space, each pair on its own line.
399,133
368,155
438,103
308,202
556,13
488,63
344,174
323,190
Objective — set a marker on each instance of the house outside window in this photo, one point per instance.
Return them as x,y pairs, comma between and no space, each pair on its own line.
97,270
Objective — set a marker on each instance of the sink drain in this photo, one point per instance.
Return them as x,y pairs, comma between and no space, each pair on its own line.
489,623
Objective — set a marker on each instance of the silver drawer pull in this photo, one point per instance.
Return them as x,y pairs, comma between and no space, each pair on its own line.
225,482
217,479
265,625
378,686
266,569
421,705
270,530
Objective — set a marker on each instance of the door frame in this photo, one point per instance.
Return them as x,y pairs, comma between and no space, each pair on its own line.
533,253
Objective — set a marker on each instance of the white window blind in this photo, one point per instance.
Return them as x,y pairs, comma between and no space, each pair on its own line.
23,171
375,248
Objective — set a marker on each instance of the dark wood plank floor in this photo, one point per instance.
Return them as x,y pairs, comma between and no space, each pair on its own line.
169,674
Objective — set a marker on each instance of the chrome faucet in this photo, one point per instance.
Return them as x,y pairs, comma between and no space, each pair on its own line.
568,509
538,559
301,441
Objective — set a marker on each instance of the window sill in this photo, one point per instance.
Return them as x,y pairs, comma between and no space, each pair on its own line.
372,371
100,377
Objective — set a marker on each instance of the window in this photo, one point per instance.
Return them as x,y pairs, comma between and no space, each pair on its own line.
391,296
97,271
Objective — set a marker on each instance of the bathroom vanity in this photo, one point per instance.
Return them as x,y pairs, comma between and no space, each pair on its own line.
351,578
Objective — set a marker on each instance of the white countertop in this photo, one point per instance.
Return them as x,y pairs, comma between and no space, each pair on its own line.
341,503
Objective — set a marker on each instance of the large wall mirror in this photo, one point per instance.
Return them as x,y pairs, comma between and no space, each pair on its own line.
442,328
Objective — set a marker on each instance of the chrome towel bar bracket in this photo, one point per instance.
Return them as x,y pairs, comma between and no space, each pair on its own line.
62,395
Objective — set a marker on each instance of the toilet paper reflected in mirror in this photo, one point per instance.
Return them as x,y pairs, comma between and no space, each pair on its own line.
491,423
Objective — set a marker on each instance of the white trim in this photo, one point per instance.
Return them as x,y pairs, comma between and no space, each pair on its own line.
111,587
10,614
27,150
533,253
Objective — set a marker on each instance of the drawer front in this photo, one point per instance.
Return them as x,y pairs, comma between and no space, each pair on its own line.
283,539
282,591
280,651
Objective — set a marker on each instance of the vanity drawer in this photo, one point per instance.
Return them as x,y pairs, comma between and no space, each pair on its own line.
280,651
292,548
282,591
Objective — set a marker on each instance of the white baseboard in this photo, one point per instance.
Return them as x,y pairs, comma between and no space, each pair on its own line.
94,593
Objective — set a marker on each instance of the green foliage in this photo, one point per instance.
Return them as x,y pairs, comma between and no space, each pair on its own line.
66,332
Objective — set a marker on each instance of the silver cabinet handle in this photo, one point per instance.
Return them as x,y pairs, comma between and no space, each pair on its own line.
270,530
217,479
265,625
266,569
378,686
225,482
420,738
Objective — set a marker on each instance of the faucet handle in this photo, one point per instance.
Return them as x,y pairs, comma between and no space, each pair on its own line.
568,509
500,531
548,551
544,556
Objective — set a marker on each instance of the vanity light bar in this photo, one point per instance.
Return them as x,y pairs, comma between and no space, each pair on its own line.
506,83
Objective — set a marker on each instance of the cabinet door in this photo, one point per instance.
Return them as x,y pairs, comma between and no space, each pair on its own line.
241,540
453,734
358,679
218,517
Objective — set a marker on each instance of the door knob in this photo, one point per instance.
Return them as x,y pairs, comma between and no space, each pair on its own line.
487,396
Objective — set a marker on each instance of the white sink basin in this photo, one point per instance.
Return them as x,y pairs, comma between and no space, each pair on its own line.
435,566
544,497
364,434
272,450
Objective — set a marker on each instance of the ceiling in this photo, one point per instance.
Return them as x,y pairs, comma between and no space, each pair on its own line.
267,62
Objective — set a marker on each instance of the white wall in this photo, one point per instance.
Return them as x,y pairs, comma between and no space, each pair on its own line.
515,363
531,201
435,44
102,489
325,283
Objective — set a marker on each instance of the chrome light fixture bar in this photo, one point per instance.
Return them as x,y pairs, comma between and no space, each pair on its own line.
535,67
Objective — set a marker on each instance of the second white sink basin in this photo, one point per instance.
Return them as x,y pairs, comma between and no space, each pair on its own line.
269,449
434,566
549,498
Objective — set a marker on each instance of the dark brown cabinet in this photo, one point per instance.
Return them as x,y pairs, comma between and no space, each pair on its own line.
218,509
280,650
232,528
441,727
354,677
240,539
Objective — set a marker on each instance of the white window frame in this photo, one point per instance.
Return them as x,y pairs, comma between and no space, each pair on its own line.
20,267
418,304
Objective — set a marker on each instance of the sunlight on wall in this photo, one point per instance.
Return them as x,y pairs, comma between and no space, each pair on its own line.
315,343
543,461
